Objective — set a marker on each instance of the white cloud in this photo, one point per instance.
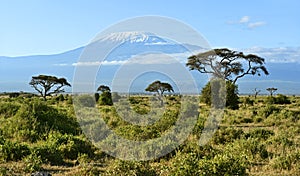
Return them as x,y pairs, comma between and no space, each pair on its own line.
146,59
256,24
277,55
244,19
61,65
97,63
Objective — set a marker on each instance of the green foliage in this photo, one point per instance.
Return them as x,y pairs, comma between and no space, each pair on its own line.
279,99
51,136
286,162
262,134
8,109
227,64
60,97
97,96
129,168
224,163
248,101
70,146
36,119
226,135
140,104
12,151
58,147
33,163
105,98
232,99
49,153
268,110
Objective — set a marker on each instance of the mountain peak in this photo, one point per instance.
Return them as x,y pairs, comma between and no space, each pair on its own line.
133,37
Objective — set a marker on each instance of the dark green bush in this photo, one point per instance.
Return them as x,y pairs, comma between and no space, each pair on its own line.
286,162
279,99
248,101
36,119
119,167
224,163
246,120
70,146
33,162
260,133
105,98
232,99
97,96
223,136
49,153
268,110
12,151
60,97
8,109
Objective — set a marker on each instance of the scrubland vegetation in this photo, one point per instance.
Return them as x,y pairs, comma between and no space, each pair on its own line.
262,137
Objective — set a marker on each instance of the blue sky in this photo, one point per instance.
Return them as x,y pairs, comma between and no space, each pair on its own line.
47,27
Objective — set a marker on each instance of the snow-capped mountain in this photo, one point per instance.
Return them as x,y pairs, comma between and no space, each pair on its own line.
16,72
133,37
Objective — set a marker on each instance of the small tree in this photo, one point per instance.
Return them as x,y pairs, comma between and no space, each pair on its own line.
159,88
105,97
256,92
272,90
47,85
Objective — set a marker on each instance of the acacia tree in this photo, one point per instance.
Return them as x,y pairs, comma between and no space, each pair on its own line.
47,85
272,90
159,88
229,65
105,98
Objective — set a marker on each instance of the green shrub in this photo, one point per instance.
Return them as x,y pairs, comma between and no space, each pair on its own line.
224,163
268,110
60,97
35,120
97,96
119,167
279,99
49,153
232,99
11,151
33,162
253,148
223,136
8,109
248,101
286,162
246,120
259,133
105,98
70,146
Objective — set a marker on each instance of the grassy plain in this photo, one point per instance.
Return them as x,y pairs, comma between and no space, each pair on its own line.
262,137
